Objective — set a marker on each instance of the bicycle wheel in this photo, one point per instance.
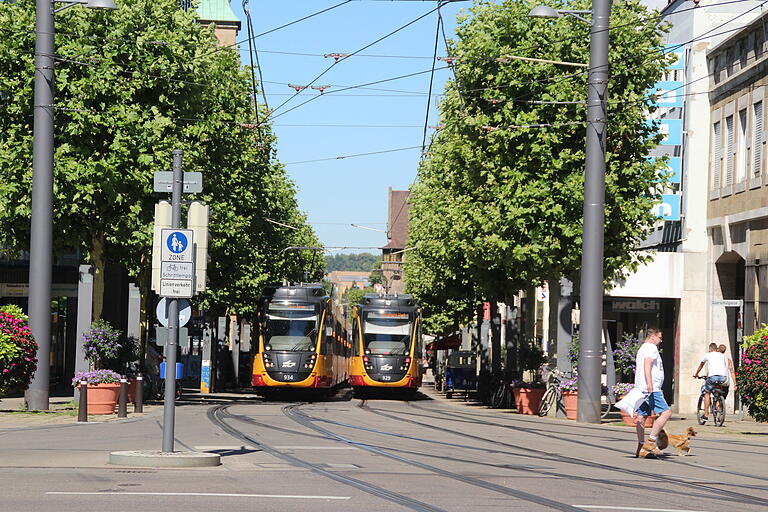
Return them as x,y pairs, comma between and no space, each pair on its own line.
497,399
548,401
718,410
605,409
700,410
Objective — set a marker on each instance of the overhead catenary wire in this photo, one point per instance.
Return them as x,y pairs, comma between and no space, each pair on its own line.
431,78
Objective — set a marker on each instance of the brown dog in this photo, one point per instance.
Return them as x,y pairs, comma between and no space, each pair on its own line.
681,441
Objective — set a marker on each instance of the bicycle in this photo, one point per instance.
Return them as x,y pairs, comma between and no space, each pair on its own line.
716,405
553,395
502,397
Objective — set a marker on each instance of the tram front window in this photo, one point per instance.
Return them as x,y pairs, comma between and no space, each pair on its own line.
291,328
387,334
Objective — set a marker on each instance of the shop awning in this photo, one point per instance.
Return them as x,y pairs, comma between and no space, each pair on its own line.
451,342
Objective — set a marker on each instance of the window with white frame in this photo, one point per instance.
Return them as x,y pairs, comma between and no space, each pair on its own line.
741,148
717,155
757,139
729,151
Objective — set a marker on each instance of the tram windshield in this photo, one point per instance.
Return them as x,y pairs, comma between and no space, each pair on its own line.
387,333
290,327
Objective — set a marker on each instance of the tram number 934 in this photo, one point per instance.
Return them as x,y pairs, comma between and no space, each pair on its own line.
288,377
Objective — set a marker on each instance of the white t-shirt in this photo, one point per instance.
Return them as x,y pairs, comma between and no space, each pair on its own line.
649,350
716,364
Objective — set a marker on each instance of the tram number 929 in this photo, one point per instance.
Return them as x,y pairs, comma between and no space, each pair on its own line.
386,377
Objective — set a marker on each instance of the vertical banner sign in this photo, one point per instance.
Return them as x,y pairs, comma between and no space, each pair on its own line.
669,209
673,169
679,52
667,94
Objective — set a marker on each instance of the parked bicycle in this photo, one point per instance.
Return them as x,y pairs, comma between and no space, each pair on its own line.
553,396
502,397
716,404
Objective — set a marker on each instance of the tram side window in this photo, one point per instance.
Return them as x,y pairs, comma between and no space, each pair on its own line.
355,338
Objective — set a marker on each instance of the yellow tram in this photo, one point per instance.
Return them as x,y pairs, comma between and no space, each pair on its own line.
300,343
386,343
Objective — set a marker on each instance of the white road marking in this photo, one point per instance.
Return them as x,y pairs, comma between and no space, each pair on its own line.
217,495
225,447
316,448
635,509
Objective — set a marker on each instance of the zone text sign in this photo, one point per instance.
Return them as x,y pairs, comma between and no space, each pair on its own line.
177,263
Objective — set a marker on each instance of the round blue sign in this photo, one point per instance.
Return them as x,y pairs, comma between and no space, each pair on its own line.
177,242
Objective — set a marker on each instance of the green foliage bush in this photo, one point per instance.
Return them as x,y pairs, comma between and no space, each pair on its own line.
752,375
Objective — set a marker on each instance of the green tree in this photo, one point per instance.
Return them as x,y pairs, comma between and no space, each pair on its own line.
131,86
497,205
356,262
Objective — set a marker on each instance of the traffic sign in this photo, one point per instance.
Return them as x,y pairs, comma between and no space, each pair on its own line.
185,312
177,245
193,182
161,337
177,265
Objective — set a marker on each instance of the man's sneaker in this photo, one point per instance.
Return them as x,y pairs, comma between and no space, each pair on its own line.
649,447
639,449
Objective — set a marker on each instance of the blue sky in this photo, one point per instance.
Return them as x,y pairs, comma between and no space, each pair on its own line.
339,192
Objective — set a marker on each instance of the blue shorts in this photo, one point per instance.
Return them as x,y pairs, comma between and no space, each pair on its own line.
714,381
655,403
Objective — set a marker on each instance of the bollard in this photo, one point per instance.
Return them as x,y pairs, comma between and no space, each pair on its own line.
138,403
82,409
122,404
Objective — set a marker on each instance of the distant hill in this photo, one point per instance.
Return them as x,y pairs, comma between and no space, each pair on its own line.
360,262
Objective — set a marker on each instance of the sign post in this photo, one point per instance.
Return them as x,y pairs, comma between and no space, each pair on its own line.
176,249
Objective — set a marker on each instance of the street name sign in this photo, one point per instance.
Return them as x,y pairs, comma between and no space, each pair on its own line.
732,303
193,182
177,263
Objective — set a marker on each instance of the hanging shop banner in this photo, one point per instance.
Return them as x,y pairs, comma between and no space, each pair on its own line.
679,52
667,94
671,129
669,208
673,169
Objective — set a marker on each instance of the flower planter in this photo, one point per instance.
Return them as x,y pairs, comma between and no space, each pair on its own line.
102,398
528,400
570,402
632,420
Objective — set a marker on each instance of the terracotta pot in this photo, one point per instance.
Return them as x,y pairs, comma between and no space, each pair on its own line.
632,420
570,402
528,400
102,398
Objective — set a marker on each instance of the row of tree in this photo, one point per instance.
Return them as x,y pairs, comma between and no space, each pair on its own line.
131,86
497,205
357,262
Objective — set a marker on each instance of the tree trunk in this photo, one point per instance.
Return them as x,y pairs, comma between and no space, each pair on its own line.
98,246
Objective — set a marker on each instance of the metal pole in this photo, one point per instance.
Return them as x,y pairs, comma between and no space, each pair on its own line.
122,402
138,404
169,404
82,409
41,259
590,353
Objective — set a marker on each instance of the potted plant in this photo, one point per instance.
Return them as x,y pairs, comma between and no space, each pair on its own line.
17,350
528,394
569,390
107,352
103,389
624,356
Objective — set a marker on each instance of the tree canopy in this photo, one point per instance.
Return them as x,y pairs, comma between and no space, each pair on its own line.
498,202
131,86
356,262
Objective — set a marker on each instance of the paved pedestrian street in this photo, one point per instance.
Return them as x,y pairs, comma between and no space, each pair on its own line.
343,453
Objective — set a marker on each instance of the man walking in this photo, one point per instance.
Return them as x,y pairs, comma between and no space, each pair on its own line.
649,377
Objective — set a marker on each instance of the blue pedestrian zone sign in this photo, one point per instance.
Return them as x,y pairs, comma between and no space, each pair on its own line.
679,52
666,94
669,208
671,129
177,242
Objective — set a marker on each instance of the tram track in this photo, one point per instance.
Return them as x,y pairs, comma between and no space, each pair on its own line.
581,442
725,494
218,416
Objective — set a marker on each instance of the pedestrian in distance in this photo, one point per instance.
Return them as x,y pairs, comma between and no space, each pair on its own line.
718,368
649,378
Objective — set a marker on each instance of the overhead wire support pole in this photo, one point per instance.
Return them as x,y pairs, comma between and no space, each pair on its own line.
591,325
169,398
41,237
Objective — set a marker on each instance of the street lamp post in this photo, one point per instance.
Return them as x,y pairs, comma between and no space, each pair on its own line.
591,321
41,242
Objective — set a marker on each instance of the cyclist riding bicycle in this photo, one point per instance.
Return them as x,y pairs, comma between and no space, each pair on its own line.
718,367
